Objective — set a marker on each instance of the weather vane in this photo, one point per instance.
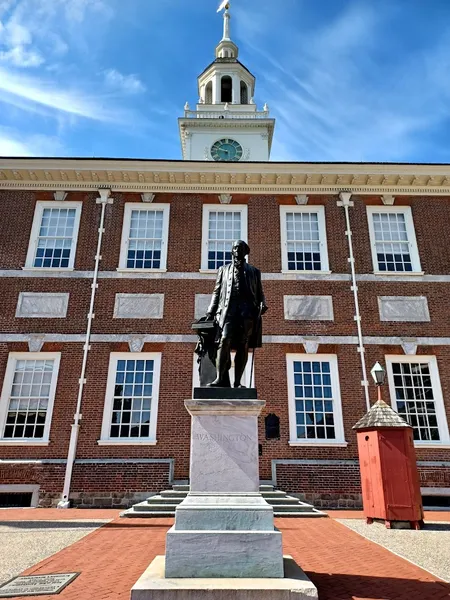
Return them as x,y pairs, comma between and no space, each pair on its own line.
224,5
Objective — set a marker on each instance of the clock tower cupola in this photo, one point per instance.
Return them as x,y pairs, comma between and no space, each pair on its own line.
226,125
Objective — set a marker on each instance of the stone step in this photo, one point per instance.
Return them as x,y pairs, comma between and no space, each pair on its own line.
173,494
180,487
285,500
266,488
274,494
135,513
147,507
282,508
165,500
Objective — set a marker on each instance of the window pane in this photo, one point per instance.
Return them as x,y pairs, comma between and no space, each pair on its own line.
28,399
145,239
412,382
224,227
132,402
314,406
303,243
55,239
391,242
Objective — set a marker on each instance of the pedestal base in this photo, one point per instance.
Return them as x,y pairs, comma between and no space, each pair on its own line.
152,585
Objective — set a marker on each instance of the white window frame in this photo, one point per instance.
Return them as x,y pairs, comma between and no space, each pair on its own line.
245,377
437,393
129,208
339,441
13,357
105,439
320,211
35,229
412,241
207,208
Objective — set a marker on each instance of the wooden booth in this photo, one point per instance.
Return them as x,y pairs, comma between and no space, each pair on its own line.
389,475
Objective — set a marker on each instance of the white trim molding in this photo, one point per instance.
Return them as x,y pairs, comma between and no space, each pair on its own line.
437,399
223,208
109,408
411,241
144,207
319,210
291,178
333,375
35,233
5,397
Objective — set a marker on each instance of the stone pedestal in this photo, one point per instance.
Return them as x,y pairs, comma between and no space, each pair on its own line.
224,528
223,543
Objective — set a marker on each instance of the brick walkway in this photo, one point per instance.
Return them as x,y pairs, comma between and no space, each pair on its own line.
342,564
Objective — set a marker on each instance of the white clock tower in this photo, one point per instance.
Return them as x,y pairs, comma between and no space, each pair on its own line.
226,125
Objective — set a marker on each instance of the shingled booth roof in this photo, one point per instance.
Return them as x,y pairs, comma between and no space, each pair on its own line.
381,415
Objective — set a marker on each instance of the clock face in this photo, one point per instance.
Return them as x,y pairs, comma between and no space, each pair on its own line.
226,150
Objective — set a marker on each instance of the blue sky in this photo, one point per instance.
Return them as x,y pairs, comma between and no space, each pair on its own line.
347,80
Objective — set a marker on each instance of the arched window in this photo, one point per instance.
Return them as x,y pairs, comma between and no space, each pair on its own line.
226,89
244,93
208,93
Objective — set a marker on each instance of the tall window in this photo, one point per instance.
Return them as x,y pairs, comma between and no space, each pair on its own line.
27,397
145,237
314,399
209,93
417,396
226,88
54,235
221,227
394,247
131,404
303,238
244,93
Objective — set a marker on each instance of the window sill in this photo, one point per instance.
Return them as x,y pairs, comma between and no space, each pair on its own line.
400,273
315,444
285,272
423,445
208,271
49,269
141,270
127,442
4,442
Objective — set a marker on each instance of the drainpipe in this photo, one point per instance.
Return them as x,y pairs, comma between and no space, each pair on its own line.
344,200
104,199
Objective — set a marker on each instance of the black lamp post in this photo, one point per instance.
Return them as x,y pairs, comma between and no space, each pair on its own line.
379,376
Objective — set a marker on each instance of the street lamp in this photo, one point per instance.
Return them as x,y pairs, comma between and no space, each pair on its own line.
379,375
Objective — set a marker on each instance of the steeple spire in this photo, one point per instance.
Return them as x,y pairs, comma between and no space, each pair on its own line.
226,24
226,48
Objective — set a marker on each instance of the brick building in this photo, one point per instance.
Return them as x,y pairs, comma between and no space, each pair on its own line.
104,264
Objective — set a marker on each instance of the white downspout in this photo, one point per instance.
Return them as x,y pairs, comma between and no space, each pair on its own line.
347,203
104,199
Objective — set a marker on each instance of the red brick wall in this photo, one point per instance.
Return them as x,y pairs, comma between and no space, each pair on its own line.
431,216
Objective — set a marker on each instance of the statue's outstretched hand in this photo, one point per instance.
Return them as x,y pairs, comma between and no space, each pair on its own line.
209,316
264,308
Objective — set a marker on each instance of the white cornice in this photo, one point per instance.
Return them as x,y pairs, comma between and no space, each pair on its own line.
234,178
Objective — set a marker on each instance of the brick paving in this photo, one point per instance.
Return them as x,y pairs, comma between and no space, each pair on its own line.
342,564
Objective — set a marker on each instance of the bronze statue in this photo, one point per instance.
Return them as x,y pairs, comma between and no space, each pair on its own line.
236,308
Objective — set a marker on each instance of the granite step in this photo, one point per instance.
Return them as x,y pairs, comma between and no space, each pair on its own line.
165,503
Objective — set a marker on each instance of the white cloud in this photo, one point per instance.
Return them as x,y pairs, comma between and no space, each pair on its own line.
333,98
26,92
14,144
130,84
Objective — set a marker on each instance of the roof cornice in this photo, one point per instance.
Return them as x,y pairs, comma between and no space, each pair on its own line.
212,177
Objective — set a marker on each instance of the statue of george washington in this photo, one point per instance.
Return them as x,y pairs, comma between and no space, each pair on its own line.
236,307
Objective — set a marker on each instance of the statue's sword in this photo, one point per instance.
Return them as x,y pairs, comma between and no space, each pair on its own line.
256,337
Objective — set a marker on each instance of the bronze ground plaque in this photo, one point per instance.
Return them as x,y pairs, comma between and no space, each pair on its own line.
36,585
